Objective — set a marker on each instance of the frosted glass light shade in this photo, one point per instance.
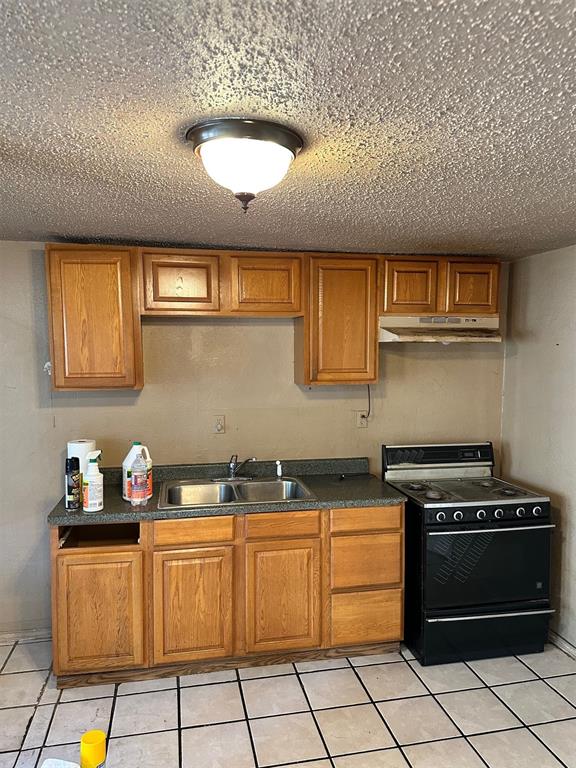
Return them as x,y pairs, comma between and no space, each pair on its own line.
245,165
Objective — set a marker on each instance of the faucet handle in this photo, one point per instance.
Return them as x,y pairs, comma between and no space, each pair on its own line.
233,459
278,468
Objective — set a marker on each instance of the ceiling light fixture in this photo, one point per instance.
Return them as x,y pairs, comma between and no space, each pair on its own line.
245,156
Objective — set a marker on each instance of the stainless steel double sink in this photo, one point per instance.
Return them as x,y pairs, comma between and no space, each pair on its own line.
206,493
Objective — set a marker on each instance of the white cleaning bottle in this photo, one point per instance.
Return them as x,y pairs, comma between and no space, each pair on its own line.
137,448
93,485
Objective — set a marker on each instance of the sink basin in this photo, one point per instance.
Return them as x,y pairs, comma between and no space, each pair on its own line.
287,489
190,493
203,493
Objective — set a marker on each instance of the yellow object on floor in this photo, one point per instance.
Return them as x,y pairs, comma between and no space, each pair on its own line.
93,749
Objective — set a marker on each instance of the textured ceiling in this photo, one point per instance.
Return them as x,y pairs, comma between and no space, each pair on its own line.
430,125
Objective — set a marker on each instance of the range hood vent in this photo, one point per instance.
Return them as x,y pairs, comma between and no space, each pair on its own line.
446,329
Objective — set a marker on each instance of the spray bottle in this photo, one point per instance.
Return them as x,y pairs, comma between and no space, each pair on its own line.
93,485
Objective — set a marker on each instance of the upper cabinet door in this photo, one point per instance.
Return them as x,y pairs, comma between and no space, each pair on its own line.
411,287
95,327
180,281
472,288
343,321
265,284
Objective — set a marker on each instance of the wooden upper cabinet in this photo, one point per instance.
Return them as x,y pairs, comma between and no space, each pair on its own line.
180,281
271,284
472,288
193,604
440,286
341,344
283,594
100,610
410,287
95,325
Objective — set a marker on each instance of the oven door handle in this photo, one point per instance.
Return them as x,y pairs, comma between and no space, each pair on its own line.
490,616
490,530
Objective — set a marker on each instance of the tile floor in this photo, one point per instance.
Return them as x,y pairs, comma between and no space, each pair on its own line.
382,711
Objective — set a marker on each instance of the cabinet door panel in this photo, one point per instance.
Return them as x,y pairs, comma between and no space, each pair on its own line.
95,327
100,611
283,595
410,286
472,288
270,285
343,320
366,561
180,281
192,604
366,617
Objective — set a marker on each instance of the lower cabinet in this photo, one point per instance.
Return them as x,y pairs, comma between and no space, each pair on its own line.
282,595
192,604
100,611
131,595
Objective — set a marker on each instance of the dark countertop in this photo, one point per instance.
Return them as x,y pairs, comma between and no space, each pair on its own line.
334,482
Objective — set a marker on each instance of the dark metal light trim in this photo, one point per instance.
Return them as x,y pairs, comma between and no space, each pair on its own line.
242,128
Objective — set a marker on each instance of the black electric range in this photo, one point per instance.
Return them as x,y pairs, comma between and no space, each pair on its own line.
477,554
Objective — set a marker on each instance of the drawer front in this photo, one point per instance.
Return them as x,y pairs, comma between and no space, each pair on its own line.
366,561
365,519
276,525
367,617
198,530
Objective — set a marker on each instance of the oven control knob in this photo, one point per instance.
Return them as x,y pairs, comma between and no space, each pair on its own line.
441,516
499,514
481,514
537,511
458,515
520,512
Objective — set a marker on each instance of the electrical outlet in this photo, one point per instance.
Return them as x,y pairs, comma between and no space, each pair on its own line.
361,419
219,425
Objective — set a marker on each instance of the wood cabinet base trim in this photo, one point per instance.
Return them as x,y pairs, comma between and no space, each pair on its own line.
217,665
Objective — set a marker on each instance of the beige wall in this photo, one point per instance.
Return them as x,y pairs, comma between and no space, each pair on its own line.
539,422
195,369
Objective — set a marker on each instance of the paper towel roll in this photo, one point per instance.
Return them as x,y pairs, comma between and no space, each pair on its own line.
81,448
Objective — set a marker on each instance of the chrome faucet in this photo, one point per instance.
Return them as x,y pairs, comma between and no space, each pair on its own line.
233,466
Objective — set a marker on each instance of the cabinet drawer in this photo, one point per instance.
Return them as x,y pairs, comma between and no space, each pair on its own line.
366,561
366,617
193,531
365,519
276,525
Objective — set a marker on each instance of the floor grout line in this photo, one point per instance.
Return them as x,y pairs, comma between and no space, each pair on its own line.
246,720
305,693
49,727
381,716
7,659
179,720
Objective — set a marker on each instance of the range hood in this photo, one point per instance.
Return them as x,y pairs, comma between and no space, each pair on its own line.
445,329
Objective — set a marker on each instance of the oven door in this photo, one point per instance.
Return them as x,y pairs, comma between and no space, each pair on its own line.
486,566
